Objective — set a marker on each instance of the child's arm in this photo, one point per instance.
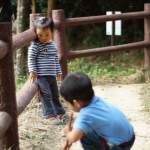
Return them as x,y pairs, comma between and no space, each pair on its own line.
32,54
58,76
33,76
73,135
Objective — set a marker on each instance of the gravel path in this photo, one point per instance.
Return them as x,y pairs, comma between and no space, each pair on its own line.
128,98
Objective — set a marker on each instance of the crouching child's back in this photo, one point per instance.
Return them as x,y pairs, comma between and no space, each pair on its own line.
99,125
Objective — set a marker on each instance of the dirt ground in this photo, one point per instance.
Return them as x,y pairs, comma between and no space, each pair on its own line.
38,134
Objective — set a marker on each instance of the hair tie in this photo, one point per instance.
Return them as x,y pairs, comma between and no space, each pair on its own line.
42,19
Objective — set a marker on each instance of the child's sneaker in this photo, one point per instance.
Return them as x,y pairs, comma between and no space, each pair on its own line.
54,121
62,116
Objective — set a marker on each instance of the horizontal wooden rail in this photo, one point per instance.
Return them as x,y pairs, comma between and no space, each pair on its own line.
23,98
25,95
105,50
5,121
4,47
22,39
5,27
104,18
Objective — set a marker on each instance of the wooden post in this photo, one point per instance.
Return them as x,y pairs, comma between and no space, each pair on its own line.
147,49
112,39
1,144
147,36
60,39
7,89
23,98
33,17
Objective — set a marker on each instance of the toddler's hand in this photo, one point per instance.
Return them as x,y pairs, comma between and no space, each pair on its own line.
33,76
58,76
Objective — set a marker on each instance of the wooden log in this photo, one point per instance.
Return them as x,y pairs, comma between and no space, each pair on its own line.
146,69
106,50
22,39
60,39
33,17
7,89
104,18
24,96
147,36
1,144
3,49
5,122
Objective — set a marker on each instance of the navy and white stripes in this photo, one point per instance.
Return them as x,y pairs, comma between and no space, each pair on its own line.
43,59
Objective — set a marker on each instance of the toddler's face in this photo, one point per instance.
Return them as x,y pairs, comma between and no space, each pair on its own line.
44,35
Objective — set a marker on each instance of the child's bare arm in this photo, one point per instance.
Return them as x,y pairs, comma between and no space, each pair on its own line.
73,135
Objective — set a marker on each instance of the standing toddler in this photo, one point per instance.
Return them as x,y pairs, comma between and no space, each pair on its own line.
44,68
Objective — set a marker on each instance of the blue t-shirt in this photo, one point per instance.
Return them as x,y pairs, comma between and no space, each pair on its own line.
106,120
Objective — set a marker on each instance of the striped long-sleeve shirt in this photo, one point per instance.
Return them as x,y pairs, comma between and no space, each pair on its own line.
43,59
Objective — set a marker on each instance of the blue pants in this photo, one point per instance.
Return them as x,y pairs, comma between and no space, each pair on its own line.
51,105
91,141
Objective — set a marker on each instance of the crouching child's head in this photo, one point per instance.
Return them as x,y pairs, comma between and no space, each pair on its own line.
77,90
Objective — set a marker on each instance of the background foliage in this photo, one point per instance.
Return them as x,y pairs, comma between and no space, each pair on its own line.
92,35
95,35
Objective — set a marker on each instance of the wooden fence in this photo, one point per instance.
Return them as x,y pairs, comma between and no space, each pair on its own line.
12,104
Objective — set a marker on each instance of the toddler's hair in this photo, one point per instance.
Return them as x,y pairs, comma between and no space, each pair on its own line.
77,86
43,23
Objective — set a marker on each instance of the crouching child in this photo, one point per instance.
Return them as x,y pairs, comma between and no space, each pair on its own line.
99,124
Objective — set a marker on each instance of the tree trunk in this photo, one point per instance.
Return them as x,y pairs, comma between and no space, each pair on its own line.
51,6
21,54
33,7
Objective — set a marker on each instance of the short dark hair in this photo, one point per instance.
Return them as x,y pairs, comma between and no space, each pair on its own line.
43,23
77,86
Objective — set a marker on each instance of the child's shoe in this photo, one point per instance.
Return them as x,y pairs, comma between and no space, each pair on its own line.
62,116
54,121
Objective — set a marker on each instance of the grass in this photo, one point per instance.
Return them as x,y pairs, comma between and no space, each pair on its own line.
91,69
99,70
39,135
19,82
